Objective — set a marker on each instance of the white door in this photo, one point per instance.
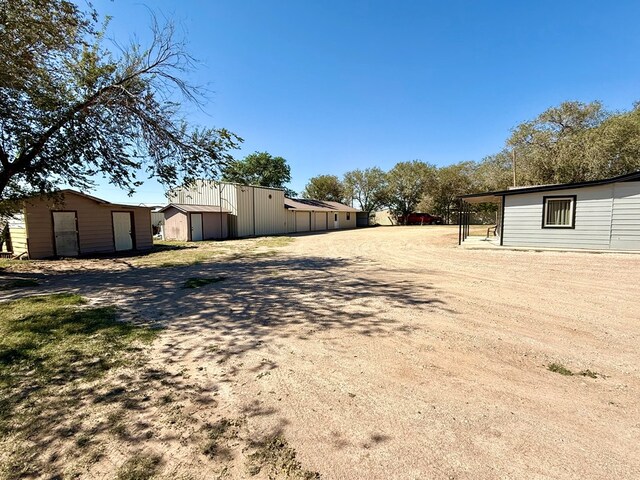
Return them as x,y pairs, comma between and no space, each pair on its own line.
65,231
196,227
336,222
122,232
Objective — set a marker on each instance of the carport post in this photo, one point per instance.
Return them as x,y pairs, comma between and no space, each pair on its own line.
460,221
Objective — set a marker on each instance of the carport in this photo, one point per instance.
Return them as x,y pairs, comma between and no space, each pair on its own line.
467,202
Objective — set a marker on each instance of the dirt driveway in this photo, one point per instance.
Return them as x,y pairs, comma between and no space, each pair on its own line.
388,353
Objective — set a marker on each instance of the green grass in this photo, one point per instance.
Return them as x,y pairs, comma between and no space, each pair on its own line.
19,283
139,467
559,368
196,282
47,344
562,370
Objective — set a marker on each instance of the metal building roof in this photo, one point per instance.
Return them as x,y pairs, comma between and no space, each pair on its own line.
316,205
195,208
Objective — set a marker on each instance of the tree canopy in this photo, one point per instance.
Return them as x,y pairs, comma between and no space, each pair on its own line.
369,187
325,187
576,142
71,108
408,183
258,168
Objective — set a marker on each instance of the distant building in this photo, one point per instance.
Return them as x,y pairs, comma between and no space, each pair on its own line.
256,211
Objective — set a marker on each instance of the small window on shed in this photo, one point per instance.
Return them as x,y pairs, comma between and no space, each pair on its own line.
335,217
348,216
559,212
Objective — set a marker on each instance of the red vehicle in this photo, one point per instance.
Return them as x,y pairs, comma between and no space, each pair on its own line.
420,219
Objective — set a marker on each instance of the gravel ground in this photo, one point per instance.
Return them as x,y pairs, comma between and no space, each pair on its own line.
391,353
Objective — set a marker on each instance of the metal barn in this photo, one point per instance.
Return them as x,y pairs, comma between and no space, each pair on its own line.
257,211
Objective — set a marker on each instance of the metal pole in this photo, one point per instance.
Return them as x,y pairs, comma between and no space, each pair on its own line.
513,162
460,222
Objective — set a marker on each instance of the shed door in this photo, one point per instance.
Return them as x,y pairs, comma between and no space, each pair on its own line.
196,227
65,231
336,222
122,231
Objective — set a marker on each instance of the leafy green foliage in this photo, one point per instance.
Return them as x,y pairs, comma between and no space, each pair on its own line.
408,183
325,187
369,187
576,142
259,168
72,109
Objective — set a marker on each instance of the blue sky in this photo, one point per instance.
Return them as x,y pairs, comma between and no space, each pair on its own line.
337,85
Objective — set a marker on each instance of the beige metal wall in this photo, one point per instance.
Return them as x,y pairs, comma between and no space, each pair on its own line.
95,225
291,221
270,213
254,210
175,225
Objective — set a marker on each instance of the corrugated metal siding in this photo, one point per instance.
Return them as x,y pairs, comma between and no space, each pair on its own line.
245,218
523,220
270,213
291,221
95,227
625,223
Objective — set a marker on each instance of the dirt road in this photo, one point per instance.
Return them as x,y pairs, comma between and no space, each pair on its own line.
392,353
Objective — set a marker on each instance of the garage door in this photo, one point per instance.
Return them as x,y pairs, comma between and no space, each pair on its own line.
320,221
303,223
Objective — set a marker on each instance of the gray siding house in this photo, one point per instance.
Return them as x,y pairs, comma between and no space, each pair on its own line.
600,215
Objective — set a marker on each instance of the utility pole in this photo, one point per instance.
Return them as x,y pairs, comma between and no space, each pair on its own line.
513,162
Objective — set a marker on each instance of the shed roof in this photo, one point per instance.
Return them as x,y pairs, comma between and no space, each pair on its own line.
316,205
195,208
488,196
89,197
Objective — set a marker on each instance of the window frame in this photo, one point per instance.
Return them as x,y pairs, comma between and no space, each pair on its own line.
545,200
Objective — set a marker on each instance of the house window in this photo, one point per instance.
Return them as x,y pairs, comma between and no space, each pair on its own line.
559,212
348,216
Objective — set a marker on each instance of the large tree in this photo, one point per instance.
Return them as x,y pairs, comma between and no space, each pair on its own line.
409,182
72,109
369,187
575,142
325,187
449,183
259,168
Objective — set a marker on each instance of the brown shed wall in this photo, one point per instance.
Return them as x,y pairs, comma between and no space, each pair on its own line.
95,225
176,225
213,226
